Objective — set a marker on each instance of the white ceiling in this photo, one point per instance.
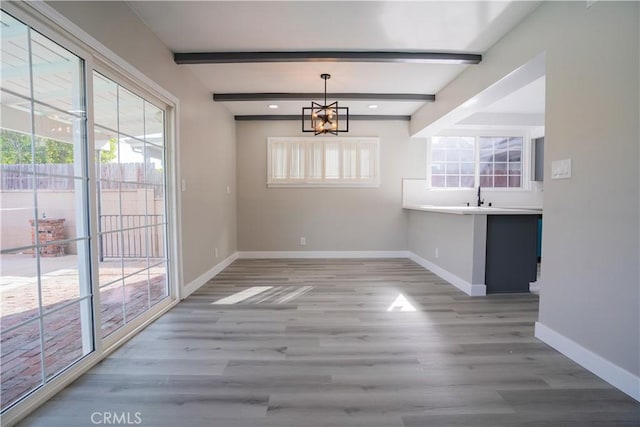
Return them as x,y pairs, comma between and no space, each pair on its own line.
440,26
523,108
527,100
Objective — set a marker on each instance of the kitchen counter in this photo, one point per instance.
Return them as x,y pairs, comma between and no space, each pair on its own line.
475,210
480,250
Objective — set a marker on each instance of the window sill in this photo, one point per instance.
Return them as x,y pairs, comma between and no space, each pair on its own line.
323,185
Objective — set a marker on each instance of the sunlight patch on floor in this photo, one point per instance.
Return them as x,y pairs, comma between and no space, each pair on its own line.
265,295
242,295
401,304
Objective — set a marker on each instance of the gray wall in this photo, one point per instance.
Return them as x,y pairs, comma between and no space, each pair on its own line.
274,219
206,131
452,235
590,278
590,275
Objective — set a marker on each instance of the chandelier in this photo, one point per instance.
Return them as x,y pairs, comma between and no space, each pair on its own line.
327,118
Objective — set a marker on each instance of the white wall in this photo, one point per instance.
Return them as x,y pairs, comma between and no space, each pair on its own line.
590,276
416,192
206,131
336,219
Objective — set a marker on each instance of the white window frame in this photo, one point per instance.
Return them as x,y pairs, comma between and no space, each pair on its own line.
323,181
526,181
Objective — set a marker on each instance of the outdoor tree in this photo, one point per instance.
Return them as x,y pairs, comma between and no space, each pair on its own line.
15,148
107,156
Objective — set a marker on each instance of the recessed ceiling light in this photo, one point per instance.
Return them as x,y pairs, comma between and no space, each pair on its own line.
273,106
372,106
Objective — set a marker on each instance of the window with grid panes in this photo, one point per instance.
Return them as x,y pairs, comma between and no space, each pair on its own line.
500,161
469,161
453,162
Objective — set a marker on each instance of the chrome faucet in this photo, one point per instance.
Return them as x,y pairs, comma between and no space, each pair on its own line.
480,201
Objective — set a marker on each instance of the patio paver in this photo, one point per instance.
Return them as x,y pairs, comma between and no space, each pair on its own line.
21,364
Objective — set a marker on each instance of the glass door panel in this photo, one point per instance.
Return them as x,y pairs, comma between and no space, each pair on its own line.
130,134
46,298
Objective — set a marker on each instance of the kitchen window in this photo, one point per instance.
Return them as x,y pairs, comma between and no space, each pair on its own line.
323,162
471,161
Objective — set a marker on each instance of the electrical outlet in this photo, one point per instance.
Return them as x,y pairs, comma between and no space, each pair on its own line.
183,185
215,252
228,189
303,241
437,253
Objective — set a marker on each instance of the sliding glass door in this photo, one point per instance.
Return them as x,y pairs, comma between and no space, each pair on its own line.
130,164
83,207
45,287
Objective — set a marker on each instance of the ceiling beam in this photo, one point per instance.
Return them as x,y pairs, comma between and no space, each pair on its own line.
327,56
288,96
369,117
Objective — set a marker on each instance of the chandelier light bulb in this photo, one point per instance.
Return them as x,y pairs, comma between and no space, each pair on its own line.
325,118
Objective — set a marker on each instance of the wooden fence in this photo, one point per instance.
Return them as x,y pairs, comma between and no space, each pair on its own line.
60,176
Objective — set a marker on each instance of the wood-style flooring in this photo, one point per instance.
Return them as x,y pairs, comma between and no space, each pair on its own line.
302,343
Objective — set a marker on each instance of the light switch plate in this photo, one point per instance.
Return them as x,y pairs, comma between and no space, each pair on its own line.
561,169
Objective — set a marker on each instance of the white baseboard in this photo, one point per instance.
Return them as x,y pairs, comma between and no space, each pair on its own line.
322,254
204,278
463,285
473,290
611,373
